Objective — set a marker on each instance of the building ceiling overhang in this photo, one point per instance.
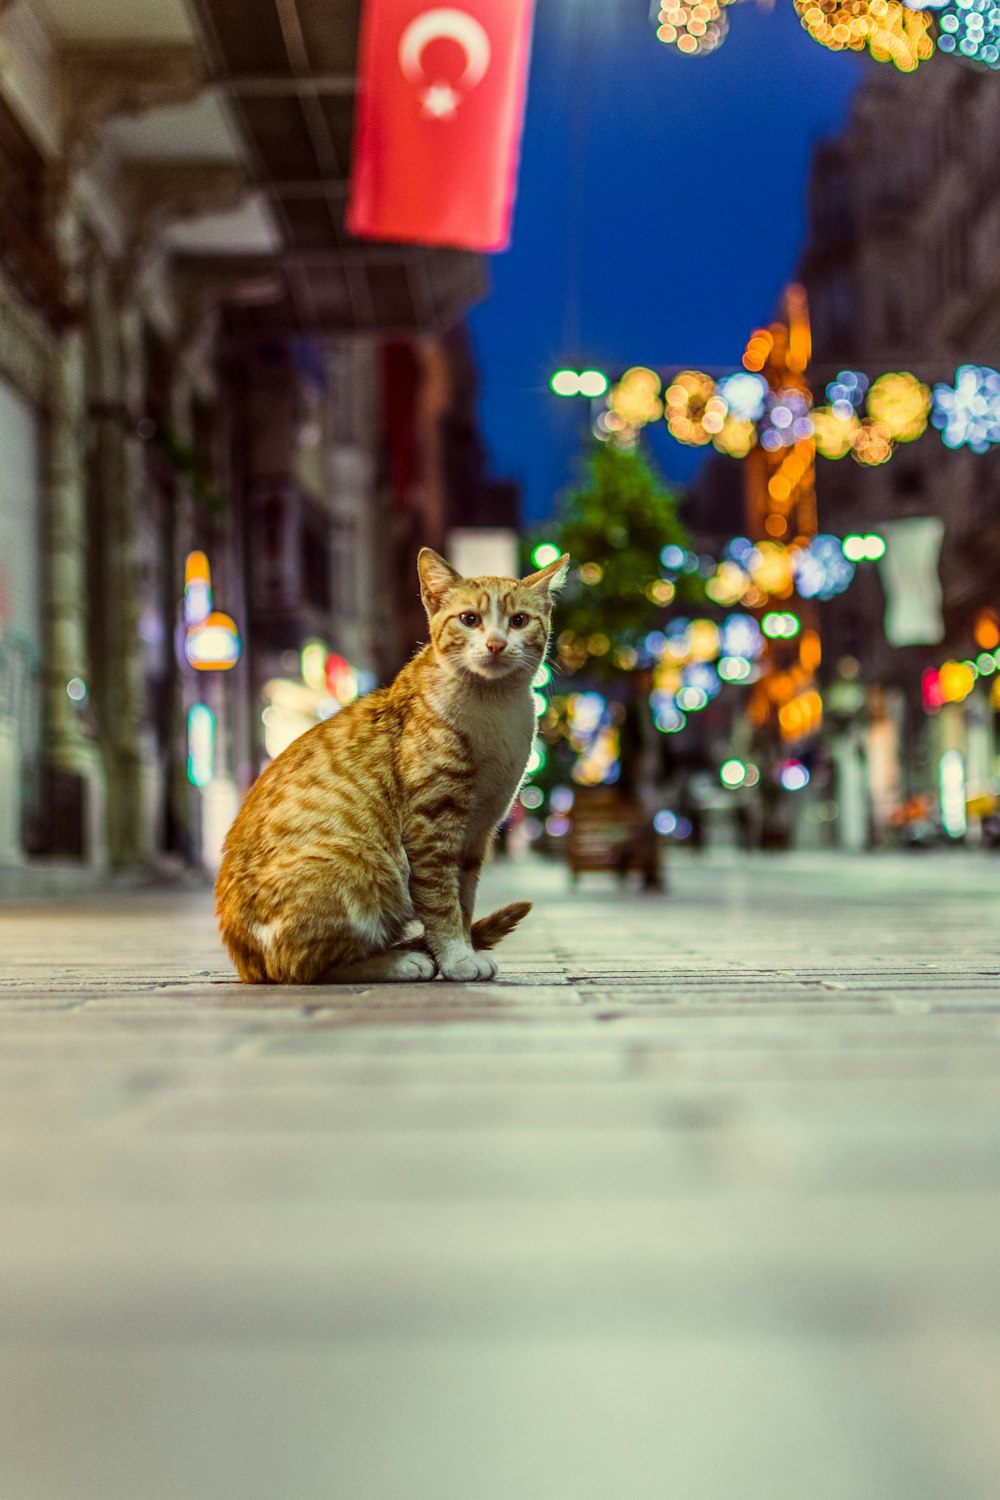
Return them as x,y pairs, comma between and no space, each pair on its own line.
287,82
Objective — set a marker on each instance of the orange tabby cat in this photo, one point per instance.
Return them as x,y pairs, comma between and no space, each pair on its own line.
385,812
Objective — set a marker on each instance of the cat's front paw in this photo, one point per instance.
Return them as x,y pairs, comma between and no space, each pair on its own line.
413,966
464,965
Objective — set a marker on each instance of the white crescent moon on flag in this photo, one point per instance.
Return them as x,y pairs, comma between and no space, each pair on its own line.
457,26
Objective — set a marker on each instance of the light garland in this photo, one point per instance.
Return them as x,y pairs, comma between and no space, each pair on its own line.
898,31
867,420
890,31
694,29
970,29
750,573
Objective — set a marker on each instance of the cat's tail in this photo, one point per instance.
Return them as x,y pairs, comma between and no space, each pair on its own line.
489,931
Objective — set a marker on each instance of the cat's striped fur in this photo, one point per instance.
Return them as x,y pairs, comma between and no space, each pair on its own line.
383,814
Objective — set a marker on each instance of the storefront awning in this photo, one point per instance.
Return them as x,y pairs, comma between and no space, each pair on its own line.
287,80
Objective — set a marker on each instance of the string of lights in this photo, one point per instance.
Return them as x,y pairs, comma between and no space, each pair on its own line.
866,418
903,32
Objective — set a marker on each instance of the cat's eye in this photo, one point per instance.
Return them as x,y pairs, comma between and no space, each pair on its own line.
518,621
469,619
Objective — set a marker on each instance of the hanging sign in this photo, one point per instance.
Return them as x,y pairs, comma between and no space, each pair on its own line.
910,578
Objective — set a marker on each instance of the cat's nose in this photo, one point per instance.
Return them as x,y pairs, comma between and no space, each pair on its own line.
496,645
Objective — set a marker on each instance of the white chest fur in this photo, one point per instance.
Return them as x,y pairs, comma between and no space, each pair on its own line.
501,728
498,725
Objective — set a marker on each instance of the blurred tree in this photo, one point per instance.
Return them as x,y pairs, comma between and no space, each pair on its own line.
614,527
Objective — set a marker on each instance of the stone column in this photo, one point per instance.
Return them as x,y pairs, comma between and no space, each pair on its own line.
70,745
181,793
129,752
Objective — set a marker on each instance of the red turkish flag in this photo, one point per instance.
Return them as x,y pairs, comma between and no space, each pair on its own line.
438,121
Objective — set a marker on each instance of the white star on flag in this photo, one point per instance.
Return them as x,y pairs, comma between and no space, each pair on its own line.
440,101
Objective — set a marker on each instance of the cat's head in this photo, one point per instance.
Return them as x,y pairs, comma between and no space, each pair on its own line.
494,629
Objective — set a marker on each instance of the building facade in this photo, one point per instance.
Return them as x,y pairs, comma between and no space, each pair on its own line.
902,275
204,499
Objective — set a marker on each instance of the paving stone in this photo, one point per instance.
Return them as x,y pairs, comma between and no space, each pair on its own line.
703,1197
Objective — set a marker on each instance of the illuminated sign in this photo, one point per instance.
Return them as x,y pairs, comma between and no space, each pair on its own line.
201,745
212,641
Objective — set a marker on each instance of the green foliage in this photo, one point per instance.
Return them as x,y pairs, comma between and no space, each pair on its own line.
617,521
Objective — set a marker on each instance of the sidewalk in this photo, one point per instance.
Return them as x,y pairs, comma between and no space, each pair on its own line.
701,1199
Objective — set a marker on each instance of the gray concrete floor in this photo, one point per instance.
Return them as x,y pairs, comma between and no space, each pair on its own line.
700,1200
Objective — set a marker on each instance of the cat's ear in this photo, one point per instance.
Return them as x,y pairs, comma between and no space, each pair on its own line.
548,580
437,579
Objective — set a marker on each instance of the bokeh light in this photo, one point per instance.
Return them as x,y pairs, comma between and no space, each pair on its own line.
733,773
593,383
834,433
565,383
635,400
740,636
778,625
702,676
728,584
692,699
593,734
667,717
758,349
970,29
771,569
863,548
786,419
734,668
902,404
744,394
689,400
694,29
822,571
847,392
968,413
986,630
536,760
956,680
872,443
793,776
735,438
544,554
703,640
890,31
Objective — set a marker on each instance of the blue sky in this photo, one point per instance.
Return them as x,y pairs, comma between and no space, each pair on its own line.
660,211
